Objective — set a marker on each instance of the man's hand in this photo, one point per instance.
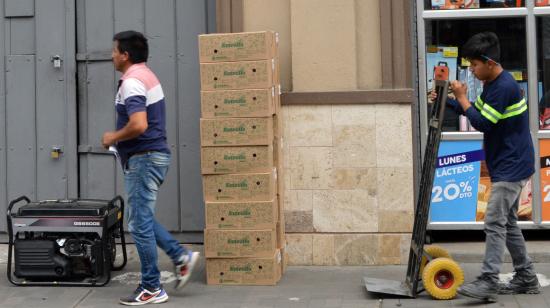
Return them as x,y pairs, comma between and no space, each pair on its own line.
108,139
459,89
432,96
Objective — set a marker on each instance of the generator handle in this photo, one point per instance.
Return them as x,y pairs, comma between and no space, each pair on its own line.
10,235
122,237
120,201
13,202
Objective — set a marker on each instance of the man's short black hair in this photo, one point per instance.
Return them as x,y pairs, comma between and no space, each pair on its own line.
135,43
483,46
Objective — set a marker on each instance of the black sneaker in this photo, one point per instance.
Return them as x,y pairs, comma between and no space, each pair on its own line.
522,283
483,288
143,296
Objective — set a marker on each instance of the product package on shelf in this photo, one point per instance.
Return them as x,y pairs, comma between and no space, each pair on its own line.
455,4
441,58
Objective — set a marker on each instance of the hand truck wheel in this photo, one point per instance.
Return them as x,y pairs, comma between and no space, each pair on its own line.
434,251
442,277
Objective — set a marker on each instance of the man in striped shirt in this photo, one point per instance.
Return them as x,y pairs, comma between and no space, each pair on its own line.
140,139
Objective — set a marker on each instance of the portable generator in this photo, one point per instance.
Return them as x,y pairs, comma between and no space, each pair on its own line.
64,242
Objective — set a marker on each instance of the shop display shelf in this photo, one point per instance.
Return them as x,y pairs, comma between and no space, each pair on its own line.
475,13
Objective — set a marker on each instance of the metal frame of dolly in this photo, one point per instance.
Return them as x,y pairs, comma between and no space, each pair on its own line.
412,285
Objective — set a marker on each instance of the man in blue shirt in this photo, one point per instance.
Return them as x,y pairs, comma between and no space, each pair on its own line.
141,141
500,112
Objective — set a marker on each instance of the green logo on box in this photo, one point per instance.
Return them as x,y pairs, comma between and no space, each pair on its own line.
240,72
234,157
238,101
240,213
234,129
243,184
236,44
246,268
244,241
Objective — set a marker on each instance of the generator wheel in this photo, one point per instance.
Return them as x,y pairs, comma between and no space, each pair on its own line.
442,277
433,251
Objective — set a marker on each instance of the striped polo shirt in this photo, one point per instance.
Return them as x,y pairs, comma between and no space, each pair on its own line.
140,90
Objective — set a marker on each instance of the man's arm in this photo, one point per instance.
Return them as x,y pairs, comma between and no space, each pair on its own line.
454,105
484,119
136,126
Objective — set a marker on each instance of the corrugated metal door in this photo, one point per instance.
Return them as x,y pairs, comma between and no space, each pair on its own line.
38,100
172,27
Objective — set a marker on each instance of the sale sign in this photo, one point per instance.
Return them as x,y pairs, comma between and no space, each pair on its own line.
462,184
545,178
456,181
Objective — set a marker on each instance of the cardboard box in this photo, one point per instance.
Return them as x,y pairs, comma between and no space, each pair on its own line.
278,159
245,271
239,243
278,106
239,103
278,125
281,207
244,159
239,75
236,131
281,234
240,187
238,46
284,260
242,215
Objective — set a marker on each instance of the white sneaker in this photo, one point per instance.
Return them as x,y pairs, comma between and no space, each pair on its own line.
184,270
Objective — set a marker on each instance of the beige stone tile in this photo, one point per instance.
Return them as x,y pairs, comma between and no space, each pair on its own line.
405,247
299,200
363,134
395,221
393,136
310,167
323,249
354,134
344,211
323,45
344,115
309,126
352,178
356,249
389,249
395,189
354,156
286,135
286,181
300,249
299,221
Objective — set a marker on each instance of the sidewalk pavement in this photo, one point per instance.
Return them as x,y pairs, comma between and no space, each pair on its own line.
315,287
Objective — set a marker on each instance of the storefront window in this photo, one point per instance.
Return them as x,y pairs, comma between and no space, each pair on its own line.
443,56
543,42
474,4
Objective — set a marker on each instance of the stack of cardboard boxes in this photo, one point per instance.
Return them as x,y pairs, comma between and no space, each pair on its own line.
241,158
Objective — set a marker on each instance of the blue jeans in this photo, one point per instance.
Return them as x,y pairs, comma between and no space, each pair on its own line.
142,177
